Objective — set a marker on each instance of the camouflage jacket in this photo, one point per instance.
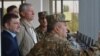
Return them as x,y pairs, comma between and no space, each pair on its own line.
53,45
40,34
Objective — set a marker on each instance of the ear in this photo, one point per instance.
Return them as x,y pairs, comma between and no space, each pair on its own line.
7,25
56,29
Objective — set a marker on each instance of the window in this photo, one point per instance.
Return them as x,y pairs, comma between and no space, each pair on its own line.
58,8
5,3
9,3
70,8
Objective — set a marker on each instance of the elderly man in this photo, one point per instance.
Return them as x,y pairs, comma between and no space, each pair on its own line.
55,42
27,36
42,28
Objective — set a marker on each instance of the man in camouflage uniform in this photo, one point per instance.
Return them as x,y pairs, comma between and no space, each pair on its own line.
55,42
42,29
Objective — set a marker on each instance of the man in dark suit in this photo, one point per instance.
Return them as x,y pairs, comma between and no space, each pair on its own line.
11,25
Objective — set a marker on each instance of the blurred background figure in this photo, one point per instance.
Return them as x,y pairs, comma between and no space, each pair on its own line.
12,9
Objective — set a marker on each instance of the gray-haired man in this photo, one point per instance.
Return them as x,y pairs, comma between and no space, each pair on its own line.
27,36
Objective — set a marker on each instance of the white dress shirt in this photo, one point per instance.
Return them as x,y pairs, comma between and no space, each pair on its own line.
33,35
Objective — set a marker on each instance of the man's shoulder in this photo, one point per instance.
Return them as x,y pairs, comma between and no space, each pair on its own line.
51,45
54,37
58,42
5,33
6,36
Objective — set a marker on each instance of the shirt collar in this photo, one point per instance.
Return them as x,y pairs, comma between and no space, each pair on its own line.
12,33
29,24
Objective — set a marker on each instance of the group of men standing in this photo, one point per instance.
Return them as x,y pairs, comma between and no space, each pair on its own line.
19,38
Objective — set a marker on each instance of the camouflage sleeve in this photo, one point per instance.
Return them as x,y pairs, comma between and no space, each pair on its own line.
52,48
37,49
65,50
68,50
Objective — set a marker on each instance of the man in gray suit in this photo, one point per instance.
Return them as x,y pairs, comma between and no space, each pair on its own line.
26,36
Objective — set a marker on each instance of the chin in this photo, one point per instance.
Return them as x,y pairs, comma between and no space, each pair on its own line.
17,31
30,19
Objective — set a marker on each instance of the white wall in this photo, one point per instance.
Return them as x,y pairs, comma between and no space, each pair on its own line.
89,17
46,5
38,5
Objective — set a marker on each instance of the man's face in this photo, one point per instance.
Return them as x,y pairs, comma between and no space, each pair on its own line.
13,25
43,22
29,13
62,29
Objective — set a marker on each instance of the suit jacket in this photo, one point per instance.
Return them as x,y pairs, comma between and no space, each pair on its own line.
25,39
9,45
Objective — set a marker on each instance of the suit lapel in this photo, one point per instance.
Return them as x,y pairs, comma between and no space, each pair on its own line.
27,28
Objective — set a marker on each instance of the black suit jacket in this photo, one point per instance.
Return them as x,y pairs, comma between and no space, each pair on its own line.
9,44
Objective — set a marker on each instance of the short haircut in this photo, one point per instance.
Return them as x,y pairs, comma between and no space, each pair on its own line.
8,17
10,8
51,27
52,21
42,14
24,6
